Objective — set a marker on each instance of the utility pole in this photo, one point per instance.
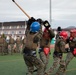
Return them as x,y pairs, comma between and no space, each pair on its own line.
2,27
50,13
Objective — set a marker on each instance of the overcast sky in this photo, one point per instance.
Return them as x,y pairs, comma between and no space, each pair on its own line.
63,12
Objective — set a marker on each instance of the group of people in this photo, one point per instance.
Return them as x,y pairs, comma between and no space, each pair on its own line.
10,46
64,44
38,40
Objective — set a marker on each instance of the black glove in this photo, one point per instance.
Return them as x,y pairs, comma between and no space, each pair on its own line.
46,24
30,21
67,49
39,20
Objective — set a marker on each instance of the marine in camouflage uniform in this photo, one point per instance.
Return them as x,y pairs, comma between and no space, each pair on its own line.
11,45
3,45
58,32
48,34
29,53
18,44
71,53
58,53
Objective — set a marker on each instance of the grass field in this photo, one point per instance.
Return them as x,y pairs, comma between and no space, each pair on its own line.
14,65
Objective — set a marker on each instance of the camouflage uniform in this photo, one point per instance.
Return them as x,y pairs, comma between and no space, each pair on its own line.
3,46
29,53
57,55
69,57
59,29
18,44
11,45
45,42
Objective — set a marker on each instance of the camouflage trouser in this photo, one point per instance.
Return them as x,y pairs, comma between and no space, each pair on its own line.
3,49
32,61
18,48
44,58
10,48
62,68
57,61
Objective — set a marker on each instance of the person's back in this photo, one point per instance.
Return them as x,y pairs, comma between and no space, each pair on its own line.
29,52
30,40
11,40
18,40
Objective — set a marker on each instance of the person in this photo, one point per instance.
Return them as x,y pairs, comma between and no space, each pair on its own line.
18,44
29,52
11,45
71,52
41,24
30,21
58,52
59,29
3,45
44,48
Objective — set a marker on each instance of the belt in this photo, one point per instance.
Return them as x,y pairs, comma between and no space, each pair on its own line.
31,53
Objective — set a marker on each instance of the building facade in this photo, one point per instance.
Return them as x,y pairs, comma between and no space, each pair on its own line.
13,28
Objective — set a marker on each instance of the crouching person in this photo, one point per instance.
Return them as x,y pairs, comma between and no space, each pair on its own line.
29,52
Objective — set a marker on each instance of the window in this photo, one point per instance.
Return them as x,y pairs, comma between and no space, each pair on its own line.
0,26
12,32
5,32
7,27
19,32
22,26
14,27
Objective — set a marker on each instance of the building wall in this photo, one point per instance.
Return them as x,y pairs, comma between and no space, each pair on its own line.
13,28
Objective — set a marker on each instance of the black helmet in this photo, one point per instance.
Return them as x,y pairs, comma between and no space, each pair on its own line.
59,29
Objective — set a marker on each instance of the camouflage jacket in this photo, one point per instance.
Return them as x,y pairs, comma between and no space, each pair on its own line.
11,41
32,40
72,43
3,42
60,45
46,42
18,41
